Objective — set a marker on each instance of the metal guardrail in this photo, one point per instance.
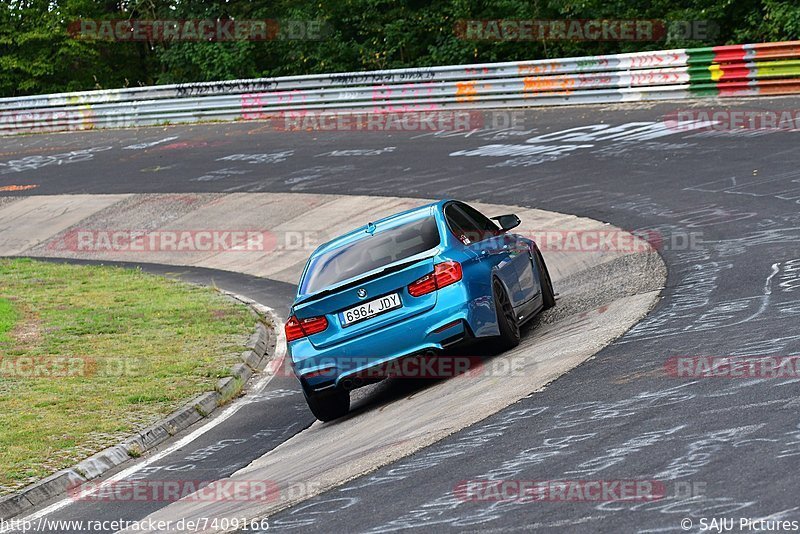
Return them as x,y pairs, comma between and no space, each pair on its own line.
724,71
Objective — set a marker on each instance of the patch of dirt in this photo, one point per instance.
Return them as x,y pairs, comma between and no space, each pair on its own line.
28,332
219,314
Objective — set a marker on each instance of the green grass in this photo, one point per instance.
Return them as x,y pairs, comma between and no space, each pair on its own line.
137,346
8,317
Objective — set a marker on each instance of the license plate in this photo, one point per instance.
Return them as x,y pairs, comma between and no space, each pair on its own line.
370,309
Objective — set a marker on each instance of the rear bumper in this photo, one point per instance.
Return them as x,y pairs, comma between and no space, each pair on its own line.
345,363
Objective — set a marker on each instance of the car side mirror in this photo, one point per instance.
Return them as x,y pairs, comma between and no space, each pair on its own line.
507,222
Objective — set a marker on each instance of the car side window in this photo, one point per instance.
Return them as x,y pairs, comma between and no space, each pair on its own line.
462,224
483,222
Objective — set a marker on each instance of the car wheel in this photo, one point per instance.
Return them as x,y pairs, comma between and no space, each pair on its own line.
328,405
548,295
506,318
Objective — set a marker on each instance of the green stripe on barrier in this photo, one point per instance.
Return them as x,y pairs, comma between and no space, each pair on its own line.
788,67
700,56
704,90
699,74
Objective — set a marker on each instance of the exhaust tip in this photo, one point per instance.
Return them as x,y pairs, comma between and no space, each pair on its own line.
352,382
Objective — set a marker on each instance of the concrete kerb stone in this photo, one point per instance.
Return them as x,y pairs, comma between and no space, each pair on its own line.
14,504
207,403
96,465
242,372
251,359
56,484
228,388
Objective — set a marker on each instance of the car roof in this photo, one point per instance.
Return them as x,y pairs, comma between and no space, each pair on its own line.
397,218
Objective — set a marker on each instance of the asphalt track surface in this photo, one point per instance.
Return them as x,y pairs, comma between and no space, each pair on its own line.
722,447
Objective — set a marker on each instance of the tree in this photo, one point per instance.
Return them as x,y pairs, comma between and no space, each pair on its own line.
39,55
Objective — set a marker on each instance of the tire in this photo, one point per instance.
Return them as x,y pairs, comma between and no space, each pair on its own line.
506,318
548,295
328,405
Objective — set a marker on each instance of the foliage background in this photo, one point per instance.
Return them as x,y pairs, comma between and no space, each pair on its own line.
37,54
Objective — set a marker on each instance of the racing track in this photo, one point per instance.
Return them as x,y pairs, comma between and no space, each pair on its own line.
594,308
617,416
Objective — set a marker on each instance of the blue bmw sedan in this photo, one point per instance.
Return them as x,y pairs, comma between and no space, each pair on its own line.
413,283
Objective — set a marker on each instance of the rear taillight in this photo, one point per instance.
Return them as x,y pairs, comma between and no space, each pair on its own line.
423,286
296,328
443,275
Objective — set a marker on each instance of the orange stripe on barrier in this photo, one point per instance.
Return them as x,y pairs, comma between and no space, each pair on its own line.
534,84
760,88
538,69
17,187
779,87
466,91
737,89
776,50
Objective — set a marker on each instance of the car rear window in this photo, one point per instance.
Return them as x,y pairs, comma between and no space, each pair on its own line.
371,252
